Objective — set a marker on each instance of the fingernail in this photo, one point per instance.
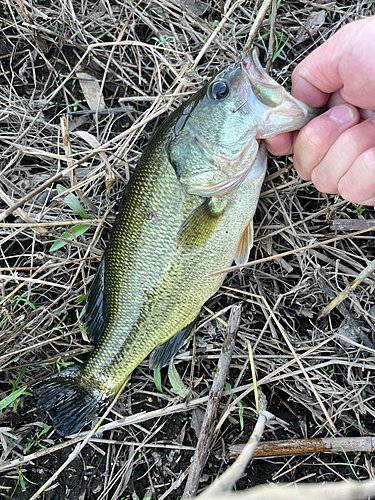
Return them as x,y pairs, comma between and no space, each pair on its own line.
341,114
370,202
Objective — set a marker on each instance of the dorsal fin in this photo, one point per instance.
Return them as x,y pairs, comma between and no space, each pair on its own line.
96,308
162,354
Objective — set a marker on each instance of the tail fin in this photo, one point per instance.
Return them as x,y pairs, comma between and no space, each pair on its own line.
68,401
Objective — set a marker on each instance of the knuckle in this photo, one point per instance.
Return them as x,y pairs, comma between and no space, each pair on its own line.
368,162
358,183
345,190
350,138
312,140
322,182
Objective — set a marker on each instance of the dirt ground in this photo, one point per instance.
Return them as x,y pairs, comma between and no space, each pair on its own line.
135,62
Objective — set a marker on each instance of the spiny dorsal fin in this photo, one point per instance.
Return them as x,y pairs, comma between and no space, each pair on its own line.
96,308
245,245
165,352
201,223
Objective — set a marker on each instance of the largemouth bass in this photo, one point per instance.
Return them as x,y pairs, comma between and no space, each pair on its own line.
187,211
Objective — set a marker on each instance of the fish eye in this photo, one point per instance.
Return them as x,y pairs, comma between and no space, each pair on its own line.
219,90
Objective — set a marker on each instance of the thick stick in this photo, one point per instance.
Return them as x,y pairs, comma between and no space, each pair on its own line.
306,446
343,490
351,224
200,455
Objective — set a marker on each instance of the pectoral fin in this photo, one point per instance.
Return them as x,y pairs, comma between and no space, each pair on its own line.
245,245
201,223
165,352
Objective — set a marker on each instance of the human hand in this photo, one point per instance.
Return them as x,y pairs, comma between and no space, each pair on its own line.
336,150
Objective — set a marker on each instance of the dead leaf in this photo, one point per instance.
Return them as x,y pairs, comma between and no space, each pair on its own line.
109,175
307,313
197,420
91,90
197,7
314,22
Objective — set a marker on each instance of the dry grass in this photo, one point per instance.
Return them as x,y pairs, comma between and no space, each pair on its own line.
147,56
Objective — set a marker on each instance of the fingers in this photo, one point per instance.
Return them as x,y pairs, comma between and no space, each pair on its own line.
337,149
316,139
318,76
282,144
358,184
347,167
344,62
336,99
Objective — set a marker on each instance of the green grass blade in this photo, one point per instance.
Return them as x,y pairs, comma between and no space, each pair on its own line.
176,382
77,230
157,380
12,397
20,376
344,452
73,202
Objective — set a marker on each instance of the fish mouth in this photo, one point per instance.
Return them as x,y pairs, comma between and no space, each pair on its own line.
275,100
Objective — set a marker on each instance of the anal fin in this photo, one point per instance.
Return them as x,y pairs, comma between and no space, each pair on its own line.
245,245
162,354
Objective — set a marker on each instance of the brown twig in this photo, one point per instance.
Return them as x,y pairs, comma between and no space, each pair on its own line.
39,40
290,252
365,273
271,41
200,455
257,24
226,482
305,446
349,318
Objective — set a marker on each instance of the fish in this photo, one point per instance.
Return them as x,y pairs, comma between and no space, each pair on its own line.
186,211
